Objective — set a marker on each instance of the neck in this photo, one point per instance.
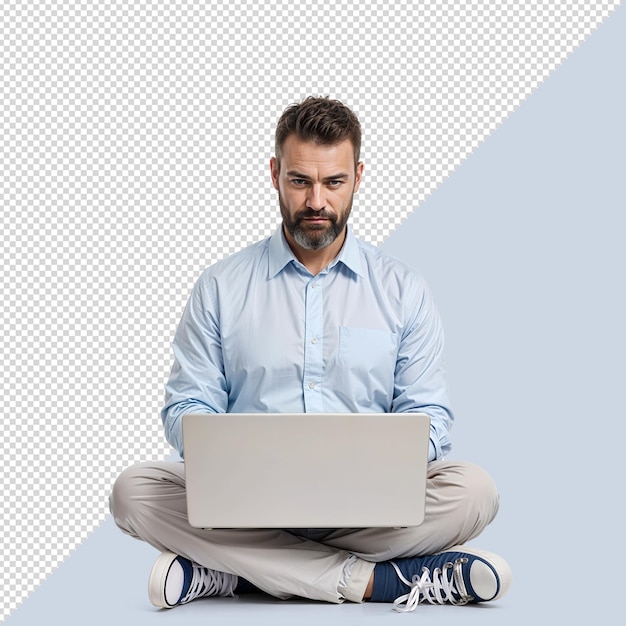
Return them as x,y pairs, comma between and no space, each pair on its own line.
315,260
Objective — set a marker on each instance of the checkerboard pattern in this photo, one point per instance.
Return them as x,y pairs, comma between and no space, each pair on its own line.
136,139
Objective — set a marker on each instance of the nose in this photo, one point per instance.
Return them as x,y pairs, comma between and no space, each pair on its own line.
315,198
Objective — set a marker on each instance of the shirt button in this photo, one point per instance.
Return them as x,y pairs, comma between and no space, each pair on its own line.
314,340
313,285
312,385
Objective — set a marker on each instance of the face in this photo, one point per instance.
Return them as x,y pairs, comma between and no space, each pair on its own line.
315,184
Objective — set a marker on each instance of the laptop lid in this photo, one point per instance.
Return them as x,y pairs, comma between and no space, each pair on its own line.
311,470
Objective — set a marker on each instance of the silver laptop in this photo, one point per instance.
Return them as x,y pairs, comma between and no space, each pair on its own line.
312,470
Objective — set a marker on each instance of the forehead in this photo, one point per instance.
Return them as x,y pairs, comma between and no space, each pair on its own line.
309,157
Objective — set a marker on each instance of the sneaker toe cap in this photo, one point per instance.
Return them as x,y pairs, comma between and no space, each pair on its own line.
483,581
490,577
174,583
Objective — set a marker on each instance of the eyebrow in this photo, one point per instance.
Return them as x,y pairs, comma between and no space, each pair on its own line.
295,174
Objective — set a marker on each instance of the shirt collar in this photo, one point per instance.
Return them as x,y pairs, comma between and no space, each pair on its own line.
280,253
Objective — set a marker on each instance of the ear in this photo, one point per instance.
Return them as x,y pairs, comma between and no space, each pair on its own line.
274,172
359,174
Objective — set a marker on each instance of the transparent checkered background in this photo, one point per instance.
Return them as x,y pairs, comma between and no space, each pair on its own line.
134,147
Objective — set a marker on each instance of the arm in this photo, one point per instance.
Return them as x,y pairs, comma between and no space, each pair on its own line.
420,378
196,383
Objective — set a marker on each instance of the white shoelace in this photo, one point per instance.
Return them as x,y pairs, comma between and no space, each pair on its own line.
445,584
208,582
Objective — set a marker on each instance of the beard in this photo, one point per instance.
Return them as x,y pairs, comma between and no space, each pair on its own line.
317,236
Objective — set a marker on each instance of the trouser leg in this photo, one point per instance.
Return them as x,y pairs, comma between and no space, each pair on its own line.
148,502
461,500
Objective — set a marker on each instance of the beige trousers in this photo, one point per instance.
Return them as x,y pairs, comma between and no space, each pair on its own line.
148,502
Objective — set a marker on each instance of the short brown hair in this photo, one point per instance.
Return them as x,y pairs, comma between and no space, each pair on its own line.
319,119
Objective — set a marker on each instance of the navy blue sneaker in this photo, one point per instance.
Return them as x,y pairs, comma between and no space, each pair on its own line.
460,575
175,580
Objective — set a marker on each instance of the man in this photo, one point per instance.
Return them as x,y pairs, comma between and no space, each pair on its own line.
313,320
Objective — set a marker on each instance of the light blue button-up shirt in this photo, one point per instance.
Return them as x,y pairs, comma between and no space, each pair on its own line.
261,334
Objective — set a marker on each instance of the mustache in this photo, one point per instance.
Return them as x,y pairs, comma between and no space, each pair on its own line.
319,214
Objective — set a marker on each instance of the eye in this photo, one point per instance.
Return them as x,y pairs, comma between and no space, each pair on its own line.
298,182
335,183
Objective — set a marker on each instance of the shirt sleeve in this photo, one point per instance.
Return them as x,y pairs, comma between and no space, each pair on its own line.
420,379
196,383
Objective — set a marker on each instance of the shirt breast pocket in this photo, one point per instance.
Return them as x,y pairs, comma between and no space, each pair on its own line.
368,349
